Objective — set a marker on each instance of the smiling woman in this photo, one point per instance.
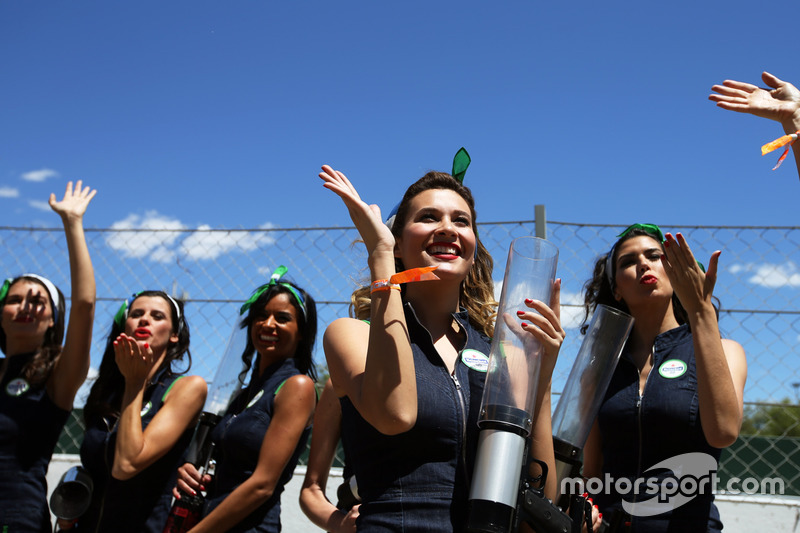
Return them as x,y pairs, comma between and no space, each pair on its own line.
409,368
139,417
265,428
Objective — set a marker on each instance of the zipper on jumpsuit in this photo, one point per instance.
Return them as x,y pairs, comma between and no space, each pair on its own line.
639,400
459,394
463,406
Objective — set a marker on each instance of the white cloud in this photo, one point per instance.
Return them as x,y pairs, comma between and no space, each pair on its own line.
161,244
40,205
770,275
40,175
9,192
208,244
157,244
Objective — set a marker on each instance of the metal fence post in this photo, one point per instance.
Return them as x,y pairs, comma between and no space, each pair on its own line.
541,221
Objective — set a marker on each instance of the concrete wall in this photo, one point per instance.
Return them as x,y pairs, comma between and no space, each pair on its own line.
740,514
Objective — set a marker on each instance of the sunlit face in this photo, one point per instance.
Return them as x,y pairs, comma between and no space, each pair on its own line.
275,331
639,271
150,320
27,311
438,231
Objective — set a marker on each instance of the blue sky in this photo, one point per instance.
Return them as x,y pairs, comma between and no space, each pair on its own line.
200,114
220,113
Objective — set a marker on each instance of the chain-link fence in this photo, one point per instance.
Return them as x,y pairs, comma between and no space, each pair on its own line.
216,269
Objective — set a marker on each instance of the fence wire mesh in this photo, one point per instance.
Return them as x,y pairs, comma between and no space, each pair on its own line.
214,270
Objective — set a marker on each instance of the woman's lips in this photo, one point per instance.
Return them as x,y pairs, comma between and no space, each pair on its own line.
648,280
141,333
448,251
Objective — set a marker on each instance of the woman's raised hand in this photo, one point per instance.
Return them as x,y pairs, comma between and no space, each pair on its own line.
134,360
693,286
367,218
781,103
75,201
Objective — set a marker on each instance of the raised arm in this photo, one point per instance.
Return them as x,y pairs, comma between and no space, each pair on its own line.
324,438
373,364
72,366
780,102
294,409
136,449
721,364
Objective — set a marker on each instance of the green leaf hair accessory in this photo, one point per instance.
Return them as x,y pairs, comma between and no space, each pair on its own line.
461,163
275,279
4,289
651,229
122,312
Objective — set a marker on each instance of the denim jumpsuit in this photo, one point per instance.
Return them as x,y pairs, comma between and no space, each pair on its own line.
30,424
139,504
238,438
640,431
419,480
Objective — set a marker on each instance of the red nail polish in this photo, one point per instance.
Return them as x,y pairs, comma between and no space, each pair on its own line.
146,346
528,301
520,313
666,244
524,325
585,495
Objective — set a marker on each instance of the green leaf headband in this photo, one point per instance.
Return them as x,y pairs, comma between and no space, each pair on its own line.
651,229
122,312
274,280
51,290
461,163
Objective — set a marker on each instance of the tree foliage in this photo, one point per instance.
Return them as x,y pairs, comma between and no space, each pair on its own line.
772,420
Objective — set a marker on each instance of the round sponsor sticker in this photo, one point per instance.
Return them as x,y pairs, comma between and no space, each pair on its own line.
674,368
17,387
146,408
255,399
475,360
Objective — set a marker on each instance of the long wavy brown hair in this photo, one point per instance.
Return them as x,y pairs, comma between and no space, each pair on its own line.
476,294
